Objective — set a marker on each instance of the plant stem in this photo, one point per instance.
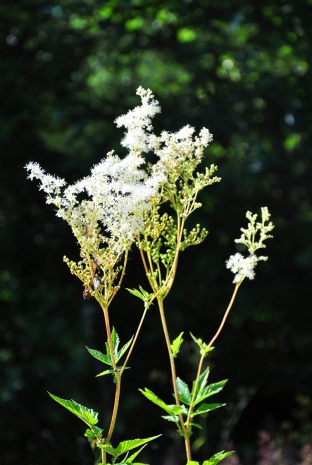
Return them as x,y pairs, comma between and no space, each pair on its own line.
174,377
115,409
109,335
226,314
117,377
103,456
133,342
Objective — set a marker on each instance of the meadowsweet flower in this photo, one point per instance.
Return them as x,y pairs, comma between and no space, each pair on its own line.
179,153
138,123
117,193
244,267
107,209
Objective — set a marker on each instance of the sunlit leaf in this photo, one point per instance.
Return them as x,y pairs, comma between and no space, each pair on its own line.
216,458
101,357
123,350
209,391
94,433
171,409
85,414
125,446
203,408
175,346
184,392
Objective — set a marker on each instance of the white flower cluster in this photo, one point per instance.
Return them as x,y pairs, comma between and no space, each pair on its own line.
243,267
117,194
138,123
173,149
119,191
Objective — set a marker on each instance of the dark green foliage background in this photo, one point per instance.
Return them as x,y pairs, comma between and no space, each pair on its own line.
242,69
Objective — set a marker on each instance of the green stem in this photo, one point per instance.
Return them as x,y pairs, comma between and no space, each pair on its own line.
174,377
118,381
200,365
115,409
109,335
114,417
103,456
133,342
226,314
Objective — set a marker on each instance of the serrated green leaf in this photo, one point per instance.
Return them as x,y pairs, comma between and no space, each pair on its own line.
176,409
175,346
90,434
142,294
209,391
204,349
106,358
108,448
196,425
173,418
125,446
94,433
106,372
184,392
146,294
202,381
115,342
136,293
85,414
171,409
203,408
216,458
101,357
133,456
123,350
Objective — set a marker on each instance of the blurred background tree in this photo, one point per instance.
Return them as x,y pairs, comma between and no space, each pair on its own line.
242,69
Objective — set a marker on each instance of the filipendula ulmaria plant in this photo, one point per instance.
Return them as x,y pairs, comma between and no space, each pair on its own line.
106,213
164,236
122,203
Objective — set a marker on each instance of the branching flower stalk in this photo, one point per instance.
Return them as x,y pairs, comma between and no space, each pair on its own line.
125,202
